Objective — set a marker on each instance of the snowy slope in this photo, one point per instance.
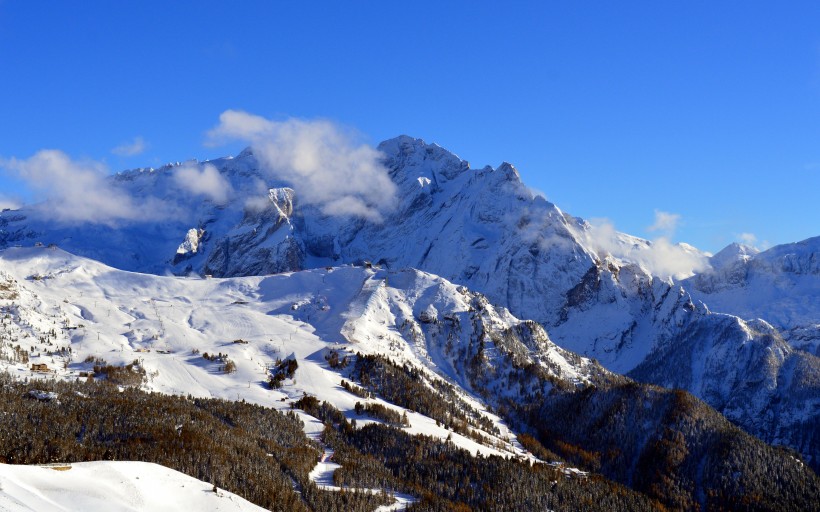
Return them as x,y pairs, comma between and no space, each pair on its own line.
55,302
110,487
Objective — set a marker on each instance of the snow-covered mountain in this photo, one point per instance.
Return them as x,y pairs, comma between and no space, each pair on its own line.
482,228
71,314
621,300
748,372
780,285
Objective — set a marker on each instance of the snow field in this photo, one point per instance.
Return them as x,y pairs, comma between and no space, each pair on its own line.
168,324
121,486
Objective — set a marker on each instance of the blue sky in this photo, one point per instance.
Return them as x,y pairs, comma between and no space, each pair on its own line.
616,110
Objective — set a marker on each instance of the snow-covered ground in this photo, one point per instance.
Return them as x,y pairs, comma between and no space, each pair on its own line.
110,487
167,324
69,313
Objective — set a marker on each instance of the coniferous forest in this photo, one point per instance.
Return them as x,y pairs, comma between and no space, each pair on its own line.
263,455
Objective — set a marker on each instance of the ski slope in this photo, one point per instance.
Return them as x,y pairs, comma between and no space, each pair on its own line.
111,486
168,324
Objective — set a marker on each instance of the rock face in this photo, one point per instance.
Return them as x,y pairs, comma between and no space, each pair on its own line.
607,296
262,243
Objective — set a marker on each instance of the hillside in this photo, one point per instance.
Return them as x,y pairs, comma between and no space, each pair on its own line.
401,350
110,486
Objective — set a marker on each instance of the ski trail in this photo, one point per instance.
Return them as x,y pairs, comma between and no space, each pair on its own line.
322,472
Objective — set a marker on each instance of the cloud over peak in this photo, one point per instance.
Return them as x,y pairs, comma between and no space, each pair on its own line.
323,162
206,182
78,191
661,257
319,159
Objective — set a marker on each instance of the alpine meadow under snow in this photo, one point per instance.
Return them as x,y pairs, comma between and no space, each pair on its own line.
397,302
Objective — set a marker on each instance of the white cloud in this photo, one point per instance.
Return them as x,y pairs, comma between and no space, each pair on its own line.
135,147
320,160
537,193
665,222
258,198
205,182
751,240
660,257
602,236
79,191
664,258
747,239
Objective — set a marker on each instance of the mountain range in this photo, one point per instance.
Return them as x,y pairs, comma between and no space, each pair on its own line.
468,277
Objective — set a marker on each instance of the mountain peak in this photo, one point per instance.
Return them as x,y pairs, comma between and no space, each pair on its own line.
509,171
401,144
247,152
418,158
731,254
